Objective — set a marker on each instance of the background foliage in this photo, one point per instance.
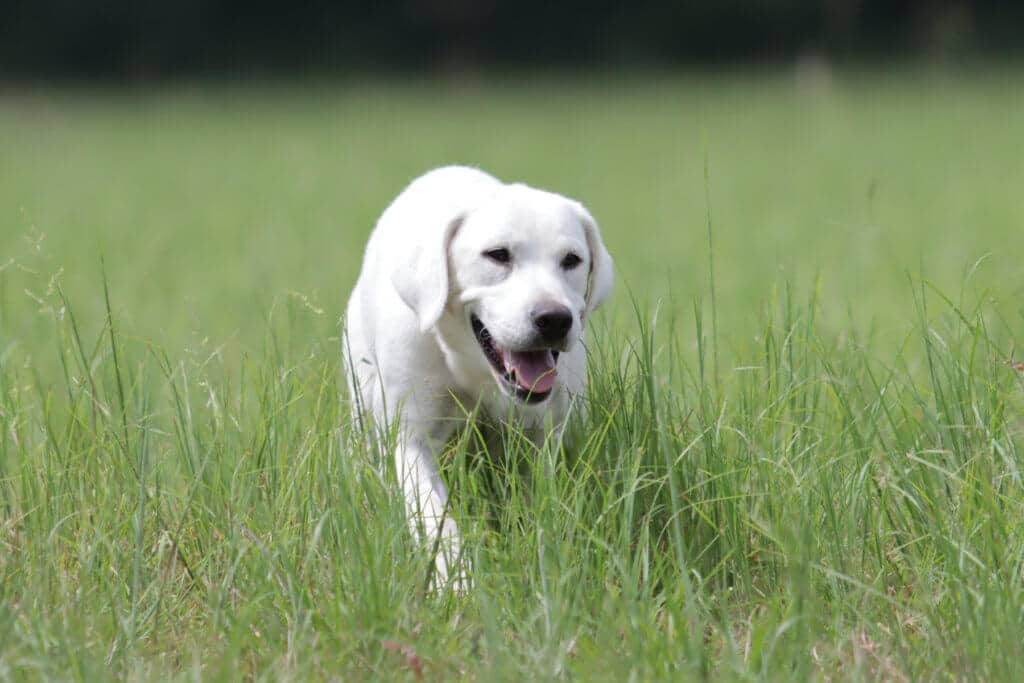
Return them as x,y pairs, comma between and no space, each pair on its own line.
121,39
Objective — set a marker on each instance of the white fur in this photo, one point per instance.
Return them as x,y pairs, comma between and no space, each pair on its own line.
410,351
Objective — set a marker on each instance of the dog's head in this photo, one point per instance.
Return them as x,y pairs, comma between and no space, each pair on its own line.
520,271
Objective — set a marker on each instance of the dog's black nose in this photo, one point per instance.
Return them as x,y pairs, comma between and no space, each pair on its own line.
552,322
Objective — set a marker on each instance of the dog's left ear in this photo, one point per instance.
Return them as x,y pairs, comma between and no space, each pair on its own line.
602,270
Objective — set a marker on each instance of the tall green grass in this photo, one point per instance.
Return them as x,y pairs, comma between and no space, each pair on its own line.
780,475
824,511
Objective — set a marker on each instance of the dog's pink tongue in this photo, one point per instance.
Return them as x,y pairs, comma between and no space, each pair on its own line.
535,370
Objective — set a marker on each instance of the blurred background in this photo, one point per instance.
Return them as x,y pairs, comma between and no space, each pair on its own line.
228,161
125,39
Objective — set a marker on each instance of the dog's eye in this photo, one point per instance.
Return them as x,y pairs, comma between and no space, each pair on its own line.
570,261
500,255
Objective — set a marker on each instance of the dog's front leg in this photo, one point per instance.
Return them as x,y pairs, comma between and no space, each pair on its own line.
426,503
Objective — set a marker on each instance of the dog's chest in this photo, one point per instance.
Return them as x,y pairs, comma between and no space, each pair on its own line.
470,377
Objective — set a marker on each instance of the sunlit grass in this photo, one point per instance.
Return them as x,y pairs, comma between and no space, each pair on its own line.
815,474
824,512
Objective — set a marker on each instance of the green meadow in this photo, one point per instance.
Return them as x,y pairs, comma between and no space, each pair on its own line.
803,453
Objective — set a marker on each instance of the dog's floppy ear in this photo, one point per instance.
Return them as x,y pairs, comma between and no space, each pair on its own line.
422,221
602,270
420,270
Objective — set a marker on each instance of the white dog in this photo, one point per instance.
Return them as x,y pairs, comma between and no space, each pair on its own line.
472,293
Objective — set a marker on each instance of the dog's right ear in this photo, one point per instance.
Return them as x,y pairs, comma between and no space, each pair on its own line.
420,225
420,266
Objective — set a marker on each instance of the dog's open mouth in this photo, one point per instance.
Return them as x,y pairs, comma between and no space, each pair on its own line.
527,375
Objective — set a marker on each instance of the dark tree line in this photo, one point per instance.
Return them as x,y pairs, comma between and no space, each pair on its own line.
145,38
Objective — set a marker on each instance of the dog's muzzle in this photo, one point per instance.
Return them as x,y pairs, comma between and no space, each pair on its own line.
527,375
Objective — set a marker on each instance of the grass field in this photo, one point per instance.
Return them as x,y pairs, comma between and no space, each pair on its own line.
814,474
